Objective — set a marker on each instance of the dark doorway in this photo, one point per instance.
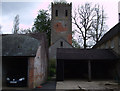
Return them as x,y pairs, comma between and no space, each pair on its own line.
103,70
15,71
74,69
87,64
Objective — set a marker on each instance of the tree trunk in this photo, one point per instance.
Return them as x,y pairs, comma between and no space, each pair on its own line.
85,43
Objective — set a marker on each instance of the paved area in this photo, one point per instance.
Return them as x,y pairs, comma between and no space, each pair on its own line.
51,85
48,86
85,85
73,85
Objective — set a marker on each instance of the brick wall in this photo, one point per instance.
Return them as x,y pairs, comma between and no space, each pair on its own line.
61,25
31,72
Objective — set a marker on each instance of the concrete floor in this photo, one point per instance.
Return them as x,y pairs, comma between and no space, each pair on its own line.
85,85
73,85
48,86
15,89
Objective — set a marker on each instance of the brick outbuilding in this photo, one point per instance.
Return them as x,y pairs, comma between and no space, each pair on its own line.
25,55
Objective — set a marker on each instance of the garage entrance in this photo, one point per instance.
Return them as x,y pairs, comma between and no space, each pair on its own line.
15,71
74,69
103,70
88,64
100,70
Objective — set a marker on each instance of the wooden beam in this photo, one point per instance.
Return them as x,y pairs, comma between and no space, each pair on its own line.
89,71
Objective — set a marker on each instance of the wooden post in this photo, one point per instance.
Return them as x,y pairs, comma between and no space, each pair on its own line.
89,71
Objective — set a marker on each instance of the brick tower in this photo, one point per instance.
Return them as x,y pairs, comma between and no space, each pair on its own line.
61,26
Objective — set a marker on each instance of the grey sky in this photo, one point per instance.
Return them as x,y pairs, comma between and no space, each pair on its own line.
23,9
27,12
14,7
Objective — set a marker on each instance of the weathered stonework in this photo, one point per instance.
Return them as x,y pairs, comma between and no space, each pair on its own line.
61,25
111,40
61,28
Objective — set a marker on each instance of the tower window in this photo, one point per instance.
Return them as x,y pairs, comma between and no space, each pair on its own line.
56,13
66,13
65,25
57,25
61,44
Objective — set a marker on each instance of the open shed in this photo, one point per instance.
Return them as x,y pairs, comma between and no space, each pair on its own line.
87,64
24,56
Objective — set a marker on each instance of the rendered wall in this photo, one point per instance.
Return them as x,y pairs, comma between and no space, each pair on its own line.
41,64
40,67
53,48
116,40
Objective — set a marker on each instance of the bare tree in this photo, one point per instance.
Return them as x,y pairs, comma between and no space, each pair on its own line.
98,26
85,18
16,24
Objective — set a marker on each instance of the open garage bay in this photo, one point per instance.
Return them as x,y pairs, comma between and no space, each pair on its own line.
15,71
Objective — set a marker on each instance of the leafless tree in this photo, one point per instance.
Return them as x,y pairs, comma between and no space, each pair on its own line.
85,18
16,24
98,27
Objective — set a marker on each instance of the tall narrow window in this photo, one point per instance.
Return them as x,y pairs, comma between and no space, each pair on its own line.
61,44
106,45
66,13
65,25
112,44
56,13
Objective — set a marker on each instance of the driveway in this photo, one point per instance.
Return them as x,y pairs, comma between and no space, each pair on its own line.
48,86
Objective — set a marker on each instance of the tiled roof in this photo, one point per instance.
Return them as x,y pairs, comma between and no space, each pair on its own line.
85,54
21,44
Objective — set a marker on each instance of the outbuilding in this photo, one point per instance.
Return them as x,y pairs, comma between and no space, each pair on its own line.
24,56
86,64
